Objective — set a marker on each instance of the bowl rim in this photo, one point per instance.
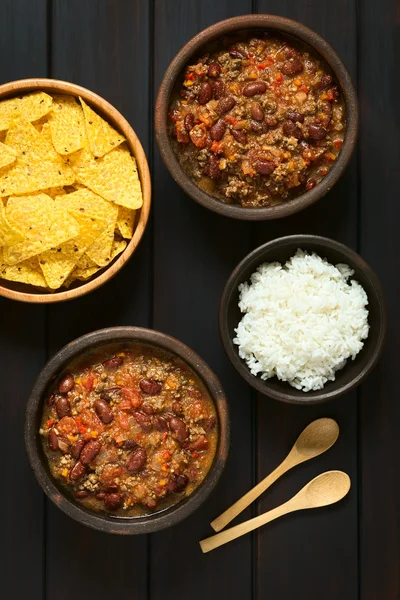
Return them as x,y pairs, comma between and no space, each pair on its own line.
118,120
243,22
235,278
110,336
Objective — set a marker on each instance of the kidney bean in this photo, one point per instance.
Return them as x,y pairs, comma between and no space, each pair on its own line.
189,121
90,451
270,121
106,394
290,129
103,411
217,130
77,471
53,440
258,126
177,483
235,53
143,420
187,94
150,387
160,423
177,408
112,488
240,135
129,444
292,67
225,105
63,407
325,81
77,449
290,52
147,409
310,184
263,166
179,428
100,495
315,132
210,423
198,445
205,93
136,460
214,69
66,384
256,111
113,363
81,494
112,501
253,88
212,168
295,116
218,89
51,400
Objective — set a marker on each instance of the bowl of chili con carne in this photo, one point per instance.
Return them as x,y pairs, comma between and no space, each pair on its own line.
127,430
256,117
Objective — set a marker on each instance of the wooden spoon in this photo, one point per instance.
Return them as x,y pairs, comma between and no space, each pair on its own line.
328,488
316,438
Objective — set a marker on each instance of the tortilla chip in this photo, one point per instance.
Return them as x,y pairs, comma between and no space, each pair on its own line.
7,155
86,202
101,136
57,263
100,250
67,125
9,235
85,262
125,222
38,166
25,272
118,247
114,176
30,107
44,224
84,274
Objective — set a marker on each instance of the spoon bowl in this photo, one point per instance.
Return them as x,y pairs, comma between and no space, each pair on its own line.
328,488
315,439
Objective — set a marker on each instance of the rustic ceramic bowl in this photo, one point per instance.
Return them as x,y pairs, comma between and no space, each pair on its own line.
355,371
27,293
198,46
59,495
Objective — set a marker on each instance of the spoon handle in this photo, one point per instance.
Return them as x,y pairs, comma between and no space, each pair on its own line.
233,511
234,532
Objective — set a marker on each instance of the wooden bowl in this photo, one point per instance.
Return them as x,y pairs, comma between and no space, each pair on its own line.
27,293
117,336
198,46
281,249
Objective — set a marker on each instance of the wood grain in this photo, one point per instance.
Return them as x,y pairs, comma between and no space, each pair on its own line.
23,46
379,52
96,44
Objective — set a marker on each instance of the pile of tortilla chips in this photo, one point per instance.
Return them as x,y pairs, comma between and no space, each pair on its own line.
69,189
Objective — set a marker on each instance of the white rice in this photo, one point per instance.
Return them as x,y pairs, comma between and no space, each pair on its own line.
302,321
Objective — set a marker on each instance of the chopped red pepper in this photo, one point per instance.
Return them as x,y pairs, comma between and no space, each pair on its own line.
50,422
338,144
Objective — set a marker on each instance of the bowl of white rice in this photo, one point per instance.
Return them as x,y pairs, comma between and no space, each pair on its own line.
302,319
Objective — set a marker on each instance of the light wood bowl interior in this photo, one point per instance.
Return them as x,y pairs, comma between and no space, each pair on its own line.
27,293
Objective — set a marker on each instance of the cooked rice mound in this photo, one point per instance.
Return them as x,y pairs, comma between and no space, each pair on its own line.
302,320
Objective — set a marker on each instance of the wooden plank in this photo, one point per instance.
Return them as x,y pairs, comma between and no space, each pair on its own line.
23,44
103,46
326,539
195,250
380,409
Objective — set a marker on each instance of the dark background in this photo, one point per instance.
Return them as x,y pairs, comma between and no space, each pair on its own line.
120,49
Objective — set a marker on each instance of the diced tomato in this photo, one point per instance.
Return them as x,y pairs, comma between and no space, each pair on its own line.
67,425
181,134
198,135
91,420
217,147
88,382
50,423
231,120
123,420
109,473
132,396
191,76
304,89
338,144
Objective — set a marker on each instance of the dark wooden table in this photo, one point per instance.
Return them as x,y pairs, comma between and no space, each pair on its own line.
120,49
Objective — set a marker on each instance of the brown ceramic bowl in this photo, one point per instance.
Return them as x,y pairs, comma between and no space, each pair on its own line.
281,249
27,293
114,337
198,46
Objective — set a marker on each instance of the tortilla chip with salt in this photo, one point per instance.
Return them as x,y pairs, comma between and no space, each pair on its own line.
57,263
27,271
30,107
102,138
44,224
113,176
37,167
9,234
67,125
125,222
7,155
